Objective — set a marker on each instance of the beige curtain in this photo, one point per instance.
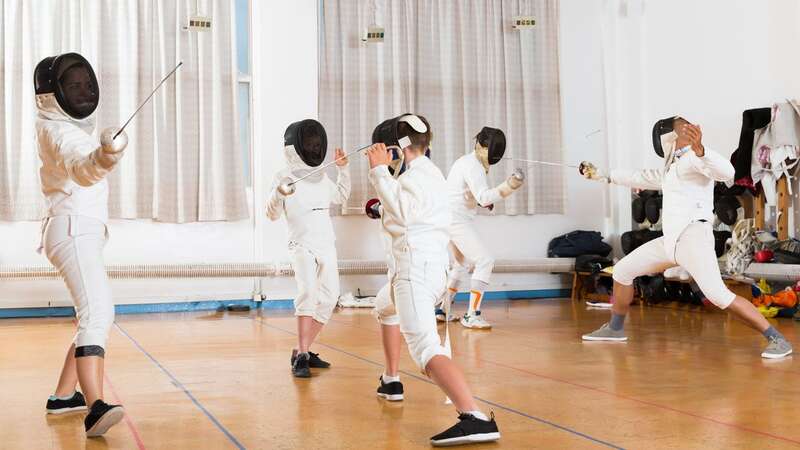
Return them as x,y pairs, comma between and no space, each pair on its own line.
183,163
462,66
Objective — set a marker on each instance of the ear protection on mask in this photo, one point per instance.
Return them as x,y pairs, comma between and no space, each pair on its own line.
387,133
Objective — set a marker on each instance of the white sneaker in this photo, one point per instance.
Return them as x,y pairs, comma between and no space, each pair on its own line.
475,321
440,316
348,300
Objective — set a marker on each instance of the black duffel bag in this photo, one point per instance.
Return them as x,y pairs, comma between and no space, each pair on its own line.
631,240
578,243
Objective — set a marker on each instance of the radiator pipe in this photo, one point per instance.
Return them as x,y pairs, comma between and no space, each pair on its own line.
265,270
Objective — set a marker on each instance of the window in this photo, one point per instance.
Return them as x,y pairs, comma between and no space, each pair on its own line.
243,64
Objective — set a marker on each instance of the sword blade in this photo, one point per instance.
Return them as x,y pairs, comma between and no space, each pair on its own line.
147,99
544,163
325,166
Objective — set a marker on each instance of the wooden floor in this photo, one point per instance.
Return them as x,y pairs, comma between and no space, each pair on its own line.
209,380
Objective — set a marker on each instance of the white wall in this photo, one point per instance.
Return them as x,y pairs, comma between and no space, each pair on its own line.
706,60
612,63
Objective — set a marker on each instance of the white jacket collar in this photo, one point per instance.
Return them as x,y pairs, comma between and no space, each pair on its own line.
49,109
668,145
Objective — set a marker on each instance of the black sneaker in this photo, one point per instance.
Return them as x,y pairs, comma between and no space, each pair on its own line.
75,403
468,430
391,391
101,417
300,366
314,361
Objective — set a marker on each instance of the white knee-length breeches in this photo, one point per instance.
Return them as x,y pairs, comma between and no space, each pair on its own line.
408,300
467,252
74,245
694,251
317,276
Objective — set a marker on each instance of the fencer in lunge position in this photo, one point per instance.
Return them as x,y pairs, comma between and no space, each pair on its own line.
73,179
467,189
415,214
687,181
312,243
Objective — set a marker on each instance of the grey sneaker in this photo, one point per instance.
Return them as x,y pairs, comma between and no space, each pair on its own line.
605,333
778,347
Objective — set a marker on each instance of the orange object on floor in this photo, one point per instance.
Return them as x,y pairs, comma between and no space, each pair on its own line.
786,298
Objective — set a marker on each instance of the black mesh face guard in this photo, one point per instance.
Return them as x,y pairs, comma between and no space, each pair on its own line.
309,139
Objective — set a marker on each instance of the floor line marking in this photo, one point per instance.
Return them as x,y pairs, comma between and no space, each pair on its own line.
488,402
183,388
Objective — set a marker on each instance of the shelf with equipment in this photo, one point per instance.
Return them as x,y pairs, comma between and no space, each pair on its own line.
583,289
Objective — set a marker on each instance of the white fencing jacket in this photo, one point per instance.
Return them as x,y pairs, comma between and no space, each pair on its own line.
72,180
468,188
687,183
773,145
414,212
308,209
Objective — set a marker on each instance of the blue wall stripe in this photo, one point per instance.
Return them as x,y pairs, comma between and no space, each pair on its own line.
56,311
211,305
518,295
206,305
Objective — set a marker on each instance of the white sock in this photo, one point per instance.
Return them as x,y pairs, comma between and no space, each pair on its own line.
388,379
478,415
476,290
53,397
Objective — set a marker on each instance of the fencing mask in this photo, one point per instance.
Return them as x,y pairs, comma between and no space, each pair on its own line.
663,133
637,210
309,140
727,209
491,146
638,205
652,208
391,133
71,79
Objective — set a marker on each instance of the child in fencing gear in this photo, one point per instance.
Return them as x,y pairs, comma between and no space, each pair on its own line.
414,212
468,188
687,182
312,243
73,180
390,387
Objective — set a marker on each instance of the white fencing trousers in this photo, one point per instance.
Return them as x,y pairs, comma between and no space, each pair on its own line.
317,276
467,252
694,251
408,300
74,245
